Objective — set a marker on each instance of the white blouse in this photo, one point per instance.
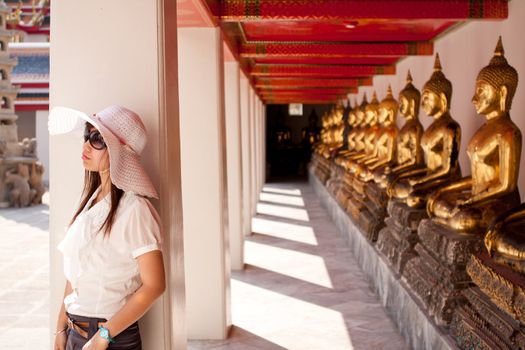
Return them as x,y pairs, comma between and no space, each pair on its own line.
103,270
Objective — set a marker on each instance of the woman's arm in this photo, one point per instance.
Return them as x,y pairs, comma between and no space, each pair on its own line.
61,335
151,268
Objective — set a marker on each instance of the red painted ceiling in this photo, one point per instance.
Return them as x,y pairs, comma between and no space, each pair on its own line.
319,51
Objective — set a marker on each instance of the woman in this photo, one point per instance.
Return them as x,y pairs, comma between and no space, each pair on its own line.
112,258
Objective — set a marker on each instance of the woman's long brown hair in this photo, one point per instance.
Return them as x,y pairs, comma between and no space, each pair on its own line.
91,182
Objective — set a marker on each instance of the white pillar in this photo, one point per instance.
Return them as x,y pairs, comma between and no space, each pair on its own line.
246,168
261,146
234,159
118,61
253,153
263,108
204,188
42,135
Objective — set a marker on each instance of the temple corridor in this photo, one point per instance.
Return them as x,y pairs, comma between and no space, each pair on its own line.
301,288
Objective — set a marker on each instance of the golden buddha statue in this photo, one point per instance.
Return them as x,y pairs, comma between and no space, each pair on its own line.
328,134
338,128
350,138
440,143
358,132
471,203
323,135
409,155
370,135
385,147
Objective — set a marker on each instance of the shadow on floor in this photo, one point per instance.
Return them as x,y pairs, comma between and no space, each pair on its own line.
242,340
301,287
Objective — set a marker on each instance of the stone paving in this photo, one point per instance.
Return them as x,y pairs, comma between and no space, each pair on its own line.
301,288
24,278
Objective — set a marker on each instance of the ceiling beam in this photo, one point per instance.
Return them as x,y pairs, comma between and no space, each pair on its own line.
320,71
250,10
255,50
303,101
304,92
276,83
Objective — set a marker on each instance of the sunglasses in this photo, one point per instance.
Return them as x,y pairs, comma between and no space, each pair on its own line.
95,139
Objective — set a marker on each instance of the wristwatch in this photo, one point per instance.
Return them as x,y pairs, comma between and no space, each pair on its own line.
104,333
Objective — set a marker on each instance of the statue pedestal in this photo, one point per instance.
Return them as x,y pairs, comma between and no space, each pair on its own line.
372,216
334,184
322,168
355,204
437,275
494,316
397,240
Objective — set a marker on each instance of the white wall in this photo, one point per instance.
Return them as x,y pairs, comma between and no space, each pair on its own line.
463,53
43,142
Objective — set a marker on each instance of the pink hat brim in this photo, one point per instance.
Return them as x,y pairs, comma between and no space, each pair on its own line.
126,170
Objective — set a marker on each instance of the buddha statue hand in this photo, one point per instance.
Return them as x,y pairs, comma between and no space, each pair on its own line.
491,236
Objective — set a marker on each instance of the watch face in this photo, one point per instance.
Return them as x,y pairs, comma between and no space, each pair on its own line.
104,332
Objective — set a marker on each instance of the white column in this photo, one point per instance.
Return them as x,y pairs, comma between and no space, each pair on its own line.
261,140
204,188
42,135
257,141
263,108
234,159
118,61
245,128
253,152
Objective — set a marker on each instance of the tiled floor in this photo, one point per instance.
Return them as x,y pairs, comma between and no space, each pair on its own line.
24,278
301,288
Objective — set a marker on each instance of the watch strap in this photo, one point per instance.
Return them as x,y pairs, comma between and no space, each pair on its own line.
104,333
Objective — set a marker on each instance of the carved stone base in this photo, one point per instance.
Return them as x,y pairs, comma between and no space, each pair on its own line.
321,167
479,324
345,190
505,287
438,274
356,201
397,240
372,216
493,317
336,181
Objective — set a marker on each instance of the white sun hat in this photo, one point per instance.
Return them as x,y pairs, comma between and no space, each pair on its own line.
125,138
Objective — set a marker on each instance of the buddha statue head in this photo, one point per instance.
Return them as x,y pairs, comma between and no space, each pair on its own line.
388,109
372,110
495,85
437,92
360,112
409,99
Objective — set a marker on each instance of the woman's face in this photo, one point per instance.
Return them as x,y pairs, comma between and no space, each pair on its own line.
94,159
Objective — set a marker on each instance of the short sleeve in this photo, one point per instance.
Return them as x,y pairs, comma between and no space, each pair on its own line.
143,232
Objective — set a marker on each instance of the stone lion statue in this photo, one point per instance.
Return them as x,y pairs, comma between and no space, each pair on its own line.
21,195
36,182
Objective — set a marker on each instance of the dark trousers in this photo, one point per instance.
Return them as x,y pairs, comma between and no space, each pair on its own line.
129,339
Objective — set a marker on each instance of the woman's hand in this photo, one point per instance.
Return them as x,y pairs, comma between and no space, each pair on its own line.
96,343
60,341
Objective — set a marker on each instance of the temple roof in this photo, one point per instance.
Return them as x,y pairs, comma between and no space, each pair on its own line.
31,74
291,50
